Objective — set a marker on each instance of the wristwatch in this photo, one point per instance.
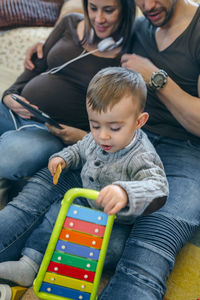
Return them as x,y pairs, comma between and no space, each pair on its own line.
157,81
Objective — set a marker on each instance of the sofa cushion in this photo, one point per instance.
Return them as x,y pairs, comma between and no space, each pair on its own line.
14,44
15,13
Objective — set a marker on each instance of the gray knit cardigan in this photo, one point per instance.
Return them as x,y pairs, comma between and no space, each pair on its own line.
137,169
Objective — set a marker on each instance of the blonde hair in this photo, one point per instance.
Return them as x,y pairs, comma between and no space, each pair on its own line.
111,84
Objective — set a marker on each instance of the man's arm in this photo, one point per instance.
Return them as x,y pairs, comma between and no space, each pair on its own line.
36,48
184,107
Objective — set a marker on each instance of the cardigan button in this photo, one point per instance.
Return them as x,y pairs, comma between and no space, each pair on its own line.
104,152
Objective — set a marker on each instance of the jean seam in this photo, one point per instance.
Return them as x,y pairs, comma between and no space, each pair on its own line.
141,278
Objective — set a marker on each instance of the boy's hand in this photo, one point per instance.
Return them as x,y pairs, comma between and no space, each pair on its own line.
54,162
112,198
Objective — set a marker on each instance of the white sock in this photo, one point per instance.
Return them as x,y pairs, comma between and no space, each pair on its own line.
21,272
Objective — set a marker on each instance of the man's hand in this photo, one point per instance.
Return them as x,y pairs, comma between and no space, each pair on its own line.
112,198
139,64
37,48
69,135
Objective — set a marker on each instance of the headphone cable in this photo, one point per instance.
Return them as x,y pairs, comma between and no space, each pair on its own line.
57,69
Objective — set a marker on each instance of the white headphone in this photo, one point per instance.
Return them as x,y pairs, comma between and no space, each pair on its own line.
107,44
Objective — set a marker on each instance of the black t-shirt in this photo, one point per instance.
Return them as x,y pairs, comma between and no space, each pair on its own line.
181,60
62,95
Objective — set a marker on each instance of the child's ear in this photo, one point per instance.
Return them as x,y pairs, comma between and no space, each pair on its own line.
142,119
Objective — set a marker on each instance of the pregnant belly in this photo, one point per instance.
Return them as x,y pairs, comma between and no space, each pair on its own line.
61,99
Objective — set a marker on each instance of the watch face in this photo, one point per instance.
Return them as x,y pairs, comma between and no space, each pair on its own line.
158,80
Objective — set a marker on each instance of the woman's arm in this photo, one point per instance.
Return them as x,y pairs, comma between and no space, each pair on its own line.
40,64
18,108
67,7
69,135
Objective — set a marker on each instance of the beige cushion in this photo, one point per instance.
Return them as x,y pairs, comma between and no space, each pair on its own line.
14,44
71,6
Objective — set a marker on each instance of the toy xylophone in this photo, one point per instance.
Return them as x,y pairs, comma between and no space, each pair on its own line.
73,262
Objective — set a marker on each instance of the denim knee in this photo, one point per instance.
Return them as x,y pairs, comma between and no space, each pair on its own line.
165,234
148,258
133,278
140,274
24,152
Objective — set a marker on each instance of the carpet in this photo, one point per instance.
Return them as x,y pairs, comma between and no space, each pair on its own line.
184,281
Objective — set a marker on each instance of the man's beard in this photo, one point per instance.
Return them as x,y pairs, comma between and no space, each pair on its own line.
168,15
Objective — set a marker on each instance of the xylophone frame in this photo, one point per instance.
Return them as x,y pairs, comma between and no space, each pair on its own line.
65,204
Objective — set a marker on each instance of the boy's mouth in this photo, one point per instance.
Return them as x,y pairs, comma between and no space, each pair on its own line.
106,147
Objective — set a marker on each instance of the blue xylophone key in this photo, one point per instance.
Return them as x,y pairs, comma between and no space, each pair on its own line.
77,249
87,214
64,291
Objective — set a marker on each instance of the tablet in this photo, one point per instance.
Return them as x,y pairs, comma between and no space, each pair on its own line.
40,115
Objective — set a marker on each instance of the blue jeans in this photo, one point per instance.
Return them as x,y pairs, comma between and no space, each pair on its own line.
25,145
25,212
154,241
28,220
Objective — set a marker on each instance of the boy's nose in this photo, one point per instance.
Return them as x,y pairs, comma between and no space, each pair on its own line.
104,135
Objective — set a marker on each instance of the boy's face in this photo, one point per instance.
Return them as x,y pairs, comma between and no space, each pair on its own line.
114,129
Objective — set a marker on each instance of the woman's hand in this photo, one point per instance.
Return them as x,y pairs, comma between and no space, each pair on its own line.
18,108
69,135
37,48
112,198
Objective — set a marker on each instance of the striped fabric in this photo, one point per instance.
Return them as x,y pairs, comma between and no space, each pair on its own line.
15,13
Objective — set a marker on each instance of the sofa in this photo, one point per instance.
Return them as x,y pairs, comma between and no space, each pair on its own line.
17,36
184,281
